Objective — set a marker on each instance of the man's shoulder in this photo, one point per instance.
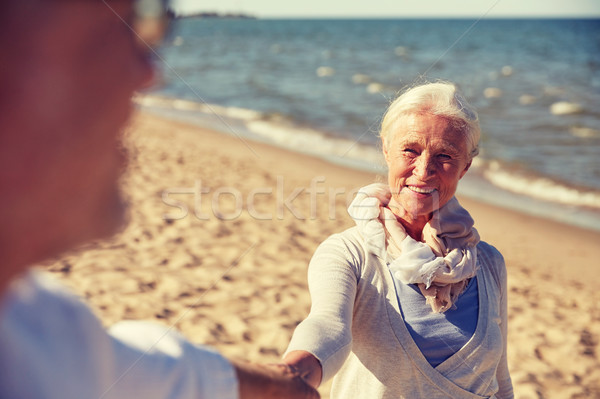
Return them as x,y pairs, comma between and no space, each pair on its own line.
38,302
46,332
38,288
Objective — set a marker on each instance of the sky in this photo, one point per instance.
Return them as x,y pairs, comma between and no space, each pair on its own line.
395,8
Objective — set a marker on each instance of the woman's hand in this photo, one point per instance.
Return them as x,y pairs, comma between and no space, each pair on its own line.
275,381
306,365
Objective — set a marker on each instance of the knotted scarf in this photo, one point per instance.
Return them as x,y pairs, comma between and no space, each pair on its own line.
441,266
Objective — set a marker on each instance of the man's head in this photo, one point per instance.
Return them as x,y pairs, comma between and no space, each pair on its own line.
68,71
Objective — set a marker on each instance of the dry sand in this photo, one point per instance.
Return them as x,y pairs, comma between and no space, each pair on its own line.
229,268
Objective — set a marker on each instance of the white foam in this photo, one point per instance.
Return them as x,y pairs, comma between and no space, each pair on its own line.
527,99
324,71
281,132
274,129
553,91
540,188
360,78
375,88
565,108
149,101
401,51
165,102
309,141
507,70
242,113
584,132
188,105
492,92
178,41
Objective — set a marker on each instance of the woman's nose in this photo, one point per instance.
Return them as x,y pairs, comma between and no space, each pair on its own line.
423,167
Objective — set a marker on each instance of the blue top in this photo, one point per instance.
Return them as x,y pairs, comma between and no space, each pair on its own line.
438,335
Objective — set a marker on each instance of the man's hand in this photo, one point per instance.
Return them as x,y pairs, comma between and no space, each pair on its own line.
306,365
276,381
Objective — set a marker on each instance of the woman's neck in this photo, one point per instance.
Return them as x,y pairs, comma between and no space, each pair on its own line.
413,226
413,229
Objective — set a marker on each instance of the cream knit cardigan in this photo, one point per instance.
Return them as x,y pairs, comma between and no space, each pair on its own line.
356,330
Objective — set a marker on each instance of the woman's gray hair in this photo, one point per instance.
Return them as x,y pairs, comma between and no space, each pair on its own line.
441,99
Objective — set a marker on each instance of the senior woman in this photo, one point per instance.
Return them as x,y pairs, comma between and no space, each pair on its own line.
409,303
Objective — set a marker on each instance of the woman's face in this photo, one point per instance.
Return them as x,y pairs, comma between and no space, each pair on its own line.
426,158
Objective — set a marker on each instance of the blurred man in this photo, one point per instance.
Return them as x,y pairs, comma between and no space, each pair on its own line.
67,72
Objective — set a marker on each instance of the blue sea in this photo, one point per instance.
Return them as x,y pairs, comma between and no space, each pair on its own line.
321,87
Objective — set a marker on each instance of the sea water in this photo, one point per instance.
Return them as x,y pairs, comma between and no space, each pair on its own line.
321,87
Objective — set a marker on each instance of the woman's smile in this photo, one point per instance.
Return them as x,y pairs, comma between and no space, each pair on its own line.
420,190
426,158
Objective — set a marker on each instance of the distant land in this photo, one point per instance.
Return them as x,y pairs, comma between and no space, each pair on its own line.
217,15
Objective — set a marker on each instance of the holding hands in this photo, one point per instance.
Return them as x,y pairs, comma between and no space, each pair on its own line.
277,381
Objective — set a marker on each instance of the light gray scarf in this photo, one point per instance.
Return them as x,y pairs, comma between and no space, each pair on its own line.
441,266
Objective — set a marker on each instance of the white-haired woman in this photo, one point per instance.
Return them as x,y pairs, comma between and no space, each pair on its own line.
409,303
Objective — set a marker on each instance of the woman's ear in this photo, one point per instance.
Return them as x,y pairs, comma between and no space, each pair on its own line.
465,169
385,150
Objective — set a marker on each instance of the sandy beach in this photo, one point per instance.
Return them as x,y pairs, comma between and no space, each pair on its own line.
221,231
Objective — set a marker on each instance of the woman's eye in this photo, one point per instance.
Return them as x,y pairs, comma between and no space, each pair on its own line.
409,151
444,156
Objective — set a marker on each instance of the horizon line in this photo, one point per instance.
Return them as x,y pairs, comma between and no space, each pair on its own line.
506,16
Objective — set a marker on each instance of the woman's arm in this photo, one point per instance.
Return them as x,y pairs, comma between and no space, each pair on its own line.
322,342
505,390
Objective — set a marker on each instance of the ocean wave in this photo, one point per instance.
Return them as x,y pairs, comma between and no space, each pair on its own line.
276,129
282,131
541,188
189,105
584,132
314,142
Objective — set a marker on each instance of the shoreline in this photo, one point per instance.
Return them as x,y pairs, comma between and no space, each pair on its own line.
249,125
228,268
